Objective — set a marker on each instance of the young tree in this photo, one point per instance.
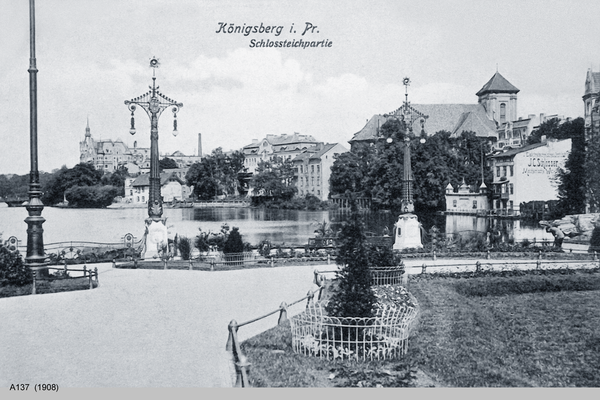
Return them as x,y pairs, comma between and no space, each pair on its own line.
354,296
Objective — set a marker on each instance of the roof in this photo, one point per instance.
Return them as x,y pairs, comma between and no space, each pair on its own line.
278,140
144,179
518,150
497,84
475,121
594,80
440,117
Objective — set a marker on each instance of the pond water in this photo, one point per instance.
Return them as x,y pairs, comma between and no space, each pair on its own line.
290,227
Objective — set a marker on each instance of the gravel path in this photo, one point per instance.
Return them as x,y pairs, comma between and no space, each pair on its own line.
141,328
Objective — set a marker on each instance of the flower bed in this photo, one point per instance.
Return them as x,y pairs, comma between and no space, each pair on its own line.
384,336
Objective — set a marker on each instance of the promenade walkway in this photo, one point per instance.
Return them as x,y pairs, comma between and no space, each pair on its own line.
141,328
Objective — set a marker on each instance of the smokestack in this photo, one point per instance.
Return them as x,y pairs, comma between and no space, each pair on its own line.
199,145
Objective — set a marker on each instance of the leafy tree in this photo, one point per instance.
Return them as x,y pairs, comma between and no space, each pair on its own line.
167,163
184,245
83,174
354,296
117,179
216,174
350,171
276,178
91,196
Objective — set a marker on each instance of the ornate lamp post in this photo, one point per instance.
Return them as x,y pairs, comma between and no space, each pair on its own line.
408,229
154,103
35,234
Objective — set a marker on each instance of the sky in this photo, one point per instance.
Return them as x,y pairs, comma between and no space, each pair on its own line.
93,55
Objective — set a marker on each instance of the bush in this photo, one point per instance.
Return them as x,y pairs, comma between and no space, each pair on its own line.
184,245
383,256
12,268
234,243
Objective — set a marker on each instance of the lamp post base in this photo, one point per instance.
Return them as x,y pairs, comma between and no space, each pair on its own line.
156,239
408,232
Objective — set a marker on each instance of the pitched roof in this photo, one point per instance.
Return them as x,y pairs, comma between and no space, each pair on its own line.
497,84
144,179
278,140
475,121
594,79
518,150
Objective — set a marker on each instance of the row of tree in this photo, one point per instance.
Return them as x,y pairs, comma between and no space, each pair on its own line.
375,170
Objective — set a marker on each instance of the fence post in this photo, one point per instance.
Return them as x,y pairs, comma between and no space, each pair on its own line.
242,367
477,267
595,256
328,258
90,278
135,263
405,280
283,313
231,327
165,263
434,256
271,261
33,286
212,265
84,270
538,264
114,263
96,274
423,268
540,255
310,296
190,264
488,255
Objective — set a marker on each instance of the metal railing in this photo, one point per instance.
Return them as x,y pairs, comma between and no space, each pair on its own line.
90,274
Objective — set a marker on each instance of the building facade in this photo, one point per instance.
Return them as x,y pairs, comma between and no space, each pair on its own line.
137,189
467,201
528,173
313,169
271,146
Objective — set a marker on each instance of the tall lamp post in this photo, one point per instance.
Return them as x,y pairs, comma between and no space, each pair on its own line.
35,233
154,103
407,228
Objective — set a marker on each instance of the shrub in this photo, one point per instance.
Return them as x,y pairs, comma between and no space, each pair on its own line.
184,245
12,268
383,256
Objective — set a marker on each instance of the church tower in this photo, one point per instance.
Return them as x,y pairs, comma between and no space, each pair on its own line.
499,98
87,151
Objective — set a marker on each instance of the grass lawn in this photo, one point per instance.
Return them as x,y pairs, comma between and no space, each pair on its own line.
47,286
513,331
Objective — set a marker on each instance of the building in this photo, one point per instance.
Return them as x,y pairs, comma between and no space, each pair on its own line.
467,201
590,100
284,145
137,189
108,155
313,169
494,117
528,173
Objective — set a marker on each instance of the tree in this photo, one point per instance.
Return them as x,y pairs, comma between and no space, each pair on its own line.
167,163
354,296
217,174
234,243
97,196
83,174
276,178
117,179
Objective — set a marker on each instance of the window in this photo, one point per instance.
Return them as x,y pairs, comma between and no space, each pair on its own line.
511,189
312,168
301,181
301,169
474,203
319,192
511,170
502,112
454,203
510,204
318,168
498,171
504,171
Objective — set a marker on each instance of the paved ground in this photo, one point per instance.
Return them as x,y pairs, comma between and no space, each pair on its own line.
141,328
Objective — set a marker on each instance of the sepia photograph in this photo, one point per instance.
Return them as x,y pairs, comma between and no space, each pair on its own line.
204,194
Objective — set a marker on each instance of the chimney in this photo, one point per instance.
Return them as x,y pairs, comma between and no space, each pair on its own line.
199,145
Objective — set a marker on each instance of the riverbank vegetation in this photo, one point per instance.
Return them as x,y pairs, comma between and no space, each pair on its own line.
524,330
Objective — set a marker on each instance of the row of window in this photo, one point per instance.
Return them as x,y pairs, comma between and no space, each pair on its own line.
308,192
312,168
504,170
312,181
